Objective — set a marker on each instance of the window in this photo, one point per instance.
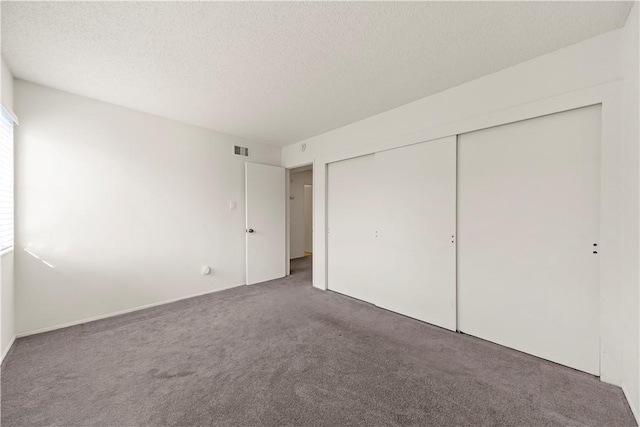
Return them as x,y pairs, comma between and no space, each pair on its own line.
6,181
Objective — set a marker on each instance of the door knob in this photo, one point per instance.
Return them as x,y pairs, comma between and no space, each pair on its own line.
250,230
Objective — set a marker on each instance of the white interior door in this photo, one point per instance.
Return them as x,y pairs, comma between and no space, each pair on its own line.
528,203
415,267
266,222
351,226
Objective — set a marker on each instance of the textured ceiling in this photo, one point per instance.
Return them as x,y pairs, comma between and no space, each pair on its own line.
282,72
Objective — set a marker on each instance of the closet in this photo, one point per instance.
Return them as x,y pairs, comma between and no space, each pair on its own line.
493,233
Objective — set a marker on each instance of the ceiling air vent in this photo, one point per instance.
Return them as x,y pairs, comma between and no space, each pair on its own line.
240,151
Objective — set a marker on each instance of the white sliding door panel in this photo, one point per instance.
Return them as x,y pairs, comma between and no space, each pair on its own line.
265,191
351,226
415,268
528,203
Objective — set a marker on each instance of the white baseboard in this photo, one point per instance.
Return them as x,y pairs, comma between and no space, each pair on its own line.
117,313
6,350
631,404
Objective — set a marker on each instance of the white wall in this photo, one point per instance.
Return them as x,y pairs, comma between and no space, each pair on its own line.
7,329
6,89
297,180
586,73
631,216
119,209
7,326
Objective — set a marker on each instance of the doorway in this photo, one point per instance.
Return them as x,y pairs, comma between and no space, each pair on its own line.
300,209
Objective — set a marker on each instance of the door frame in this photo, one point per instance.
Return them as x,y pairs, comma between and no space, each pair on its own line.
304,194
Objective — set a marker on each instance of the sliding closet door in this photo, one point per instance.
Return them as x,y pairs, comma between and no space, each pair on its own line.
415,268
351,223
528,202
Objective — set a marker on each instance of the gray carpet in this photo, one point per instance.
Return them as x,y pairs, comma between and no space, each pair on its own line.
284,353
